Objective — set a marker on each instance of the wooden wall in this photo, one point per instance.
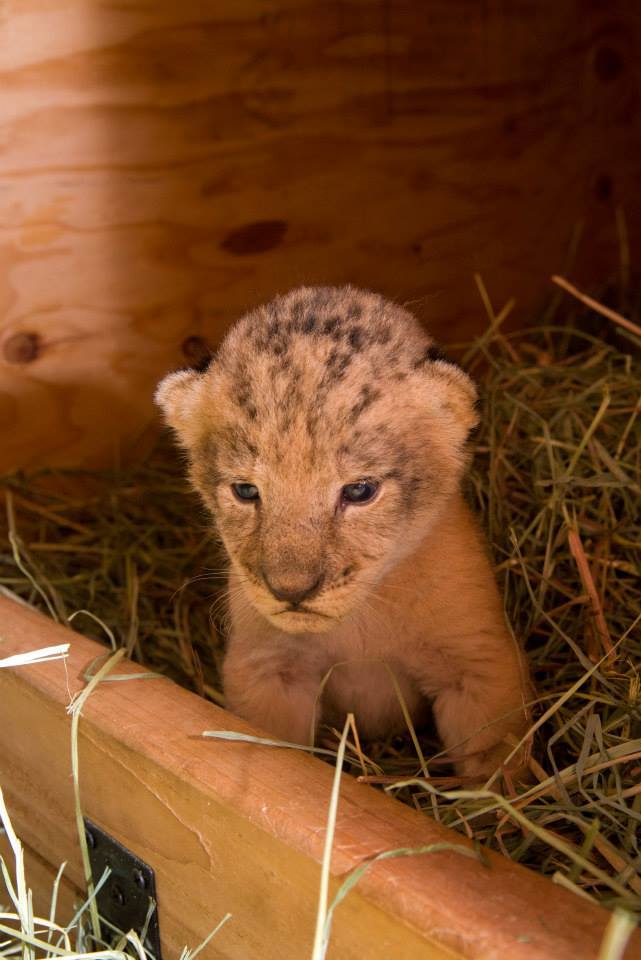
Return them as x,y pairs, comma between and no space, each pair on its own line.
165,165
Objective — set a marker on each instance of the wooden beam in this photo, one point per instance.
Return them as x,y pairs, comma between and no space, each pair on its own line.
240,828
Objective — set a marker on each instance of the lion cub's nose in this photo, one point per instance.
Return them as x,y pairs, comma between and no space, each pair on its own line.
294,591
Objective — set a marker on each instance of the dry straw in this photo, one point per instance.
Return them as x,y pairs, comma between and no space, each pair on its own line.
556,480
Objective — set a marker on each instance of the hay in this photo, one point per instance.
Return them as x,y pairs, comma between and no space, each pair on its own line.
556,477
130,549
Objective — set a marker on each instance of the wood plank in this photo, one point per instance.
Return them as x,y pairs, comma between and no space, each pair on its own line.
239,828
167,165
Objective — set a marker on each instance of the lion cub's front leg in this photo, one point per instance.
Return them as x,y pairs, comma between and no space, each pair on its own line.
269,683
467,663
478,718
480,689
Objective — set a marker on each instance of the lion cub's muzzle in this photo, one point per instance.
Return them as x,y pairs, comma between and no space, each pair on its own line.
294,588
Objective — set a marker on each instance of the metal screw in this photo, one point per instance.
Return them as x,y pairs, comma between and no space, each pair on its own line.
139,879
118,896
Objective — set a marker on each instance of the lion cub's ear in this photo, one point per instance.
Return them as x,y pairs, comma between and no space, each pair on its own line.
178,397
456,395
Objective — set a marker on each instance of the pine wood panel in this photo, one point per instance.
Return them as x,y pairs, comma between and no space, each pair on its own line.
240,828
166,165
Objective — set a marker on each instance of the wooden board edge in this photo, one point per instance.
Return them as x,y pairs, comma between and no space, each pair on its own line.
454,905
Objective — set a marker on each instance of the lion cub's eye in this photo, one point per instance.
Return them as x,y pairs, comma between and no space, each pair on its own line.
246,492
360,492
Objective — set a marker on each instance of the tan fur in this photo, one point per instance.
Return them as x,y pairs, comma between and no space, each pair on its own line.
321,388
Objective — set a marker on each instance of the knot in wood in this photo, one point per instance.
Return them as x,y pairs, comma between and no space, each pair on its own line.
21,348
608,64
255,237
197,352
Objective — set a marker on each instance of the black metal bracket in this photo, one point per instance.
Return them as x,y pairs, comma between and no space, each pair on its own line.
125,897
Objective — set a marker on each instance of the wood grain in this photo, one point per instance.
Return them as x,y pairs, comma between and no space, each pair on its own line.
236,827
165,166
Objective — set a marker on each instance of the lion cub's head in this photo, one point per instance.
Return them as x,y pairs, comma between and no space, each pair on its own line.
325,437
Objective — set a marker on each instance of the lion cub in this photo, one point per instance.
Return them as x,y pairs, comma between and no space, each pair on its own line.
328,439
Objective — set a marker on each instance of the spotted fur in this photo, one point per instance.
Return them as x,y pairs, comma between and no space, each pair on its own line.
321,388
